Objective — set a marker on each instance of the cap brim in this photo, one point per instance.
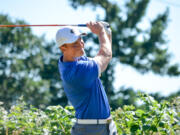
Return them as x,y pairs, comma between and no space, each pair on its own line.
83,34
75,39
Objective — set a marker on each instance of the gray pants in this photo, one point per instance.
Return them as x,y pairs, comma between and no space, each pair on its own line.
90,129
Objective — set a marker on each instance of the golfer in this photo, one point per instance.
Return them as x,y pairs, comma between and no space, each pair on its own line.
80,78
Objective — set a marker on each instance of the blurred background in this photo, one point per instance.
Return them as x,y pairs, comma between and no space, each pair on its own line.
146,49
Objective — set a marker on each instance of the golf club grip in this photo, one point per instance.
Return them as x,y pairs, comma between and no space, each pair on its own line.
82,25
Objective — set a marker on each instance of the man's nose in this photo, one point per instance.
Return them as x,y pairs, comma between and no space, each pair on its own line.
82,43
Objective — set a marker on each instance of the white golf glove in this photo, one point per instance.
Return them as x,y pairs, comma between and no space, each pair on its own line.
107,27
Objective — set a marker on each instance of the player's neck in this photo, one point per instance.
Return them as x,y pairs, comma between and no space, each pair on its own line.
68,58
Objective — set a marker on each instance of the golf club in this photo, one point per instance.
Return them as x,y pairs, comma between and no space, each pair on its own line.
45,25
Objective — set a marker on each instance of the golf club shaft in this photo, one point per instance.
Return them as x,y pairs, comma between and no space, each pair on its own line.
44,25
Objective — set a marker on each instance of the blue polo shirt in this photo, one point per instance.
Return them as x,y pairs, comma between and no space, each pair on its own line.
84,89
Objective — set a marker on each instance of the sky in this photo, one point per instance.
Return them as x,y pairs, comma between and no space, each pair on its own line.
60,12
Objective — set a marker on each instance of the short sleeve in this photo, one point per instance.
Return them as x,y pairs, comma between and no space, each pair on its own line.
86,72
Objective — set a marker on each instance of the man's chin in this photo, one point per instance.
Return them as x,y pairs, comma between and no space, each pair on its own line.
82,53
78,56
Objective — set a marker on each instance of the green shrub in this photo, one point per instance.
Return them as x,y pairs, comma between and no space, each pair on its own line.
152,118
21,120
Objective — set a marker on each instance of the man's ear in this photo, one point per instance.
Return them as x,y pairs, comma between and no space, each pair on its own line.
63,48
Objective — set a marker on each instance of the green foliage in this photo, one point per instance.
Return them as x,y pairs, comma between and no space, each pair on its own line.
23,120
151,119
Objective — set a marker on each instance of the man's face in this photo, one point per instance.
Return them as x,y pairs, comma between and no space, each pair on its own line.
75,49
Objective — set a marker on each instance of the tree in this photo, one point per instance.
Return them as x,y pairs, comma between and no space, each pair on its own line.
169,98
28,66
149,54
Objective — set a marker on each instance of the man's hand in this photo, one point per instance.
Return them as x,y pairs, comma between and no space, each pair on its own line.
99,28
96,27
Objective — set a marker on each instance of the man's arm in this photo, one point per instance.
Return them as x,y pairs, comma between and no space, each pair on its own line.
105,52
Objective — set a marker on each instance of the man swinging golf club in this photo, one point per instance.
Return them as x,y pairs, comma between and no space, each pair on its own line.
80,77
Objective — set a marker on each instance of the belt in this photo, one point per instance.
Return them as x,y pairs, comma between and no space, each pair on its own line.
94,121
